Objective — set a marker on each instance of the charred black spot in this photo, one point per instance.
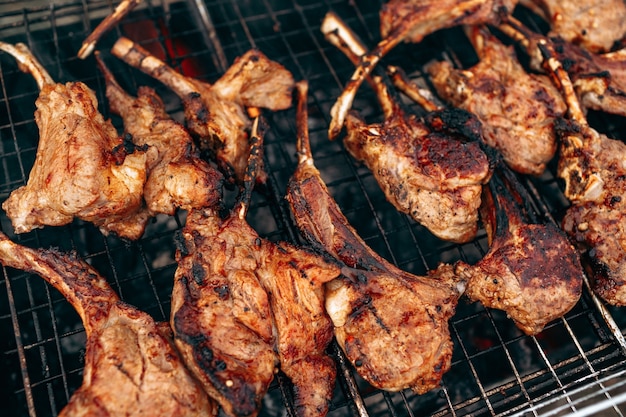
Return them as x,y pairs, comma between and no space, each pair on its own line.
220,365
358,363
127,142
194,95
205,353
564,126
198,273
258,241
456,121
203,114
615,199
222,291
179,243
568,63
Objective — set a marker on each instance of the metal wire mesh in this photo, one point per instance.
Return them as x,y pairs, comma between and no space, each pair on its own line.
496,369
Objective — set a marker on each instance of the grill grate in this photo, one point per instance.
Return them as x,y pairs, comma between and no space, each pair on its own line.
496,370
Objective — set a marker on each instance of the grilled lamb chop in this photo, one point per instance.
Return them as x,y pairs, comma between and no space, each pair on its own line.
392,325
177,176
241,304
517,109
215,114
131,365
83,168
105,25
593,168
599,79
595,25
412,20
432,169
531,270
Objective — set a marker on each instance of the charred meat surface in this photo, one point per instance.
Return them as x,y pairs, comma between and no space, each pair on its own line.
392,325
126,351
83,168
599,79
517,109
422,17
294,279
432,168
221,315
216,113
412,20
242,305
531,271
177,176
596,25
593,168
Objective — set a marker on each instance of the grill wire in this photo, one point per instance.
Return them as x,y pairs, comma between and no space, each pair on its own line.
575,363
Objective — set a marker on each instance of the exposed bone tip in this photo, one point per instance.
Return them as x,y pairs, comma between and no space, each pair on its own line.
122,45
335,126
330,23
86,49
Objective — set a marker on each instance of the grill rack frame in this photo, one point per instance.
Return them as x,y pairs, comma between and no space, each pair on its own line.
43,362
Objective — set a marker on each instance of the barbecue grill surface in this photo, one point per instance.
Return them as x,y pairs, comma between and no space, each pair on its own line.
575,362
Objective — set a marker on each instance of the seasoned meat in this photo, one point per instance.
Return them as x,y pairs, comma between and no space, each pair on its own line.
432,168
131,365
177,176
593,167
426,16
294,279
216,114
599,79
531,270
412,20
594,170
596,25
83,168
408,159
122,9
242,304
517,109
220,312
600,230
392,325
